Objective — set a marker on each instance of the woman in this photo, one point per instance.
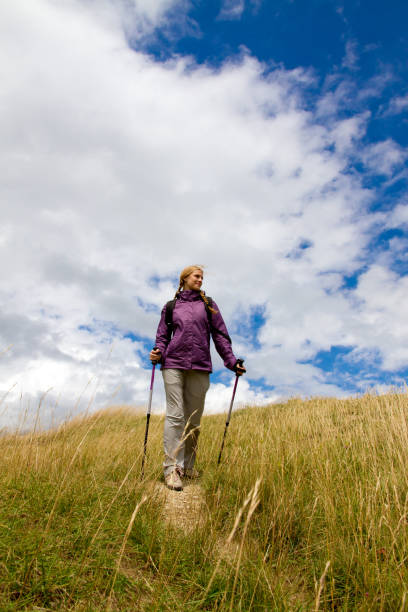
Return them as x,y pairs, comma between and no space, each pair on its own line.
186,365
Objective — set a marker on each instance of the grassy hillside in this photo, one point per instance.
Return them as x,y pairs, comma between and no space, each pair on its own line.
308,511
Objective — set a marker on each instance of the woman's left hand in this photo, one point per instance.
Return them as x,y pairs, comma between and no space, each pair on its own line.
239,368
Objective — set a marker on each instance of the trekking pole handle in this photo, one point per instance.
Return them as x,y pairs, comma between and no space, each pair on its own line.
239,364
154,362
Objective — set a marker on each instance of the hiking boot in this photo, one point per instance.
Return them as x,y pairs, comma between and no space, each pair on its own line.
191,473
173,481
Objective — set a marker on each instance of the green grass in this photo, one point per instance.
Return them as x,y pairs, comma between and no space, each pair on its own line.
301,484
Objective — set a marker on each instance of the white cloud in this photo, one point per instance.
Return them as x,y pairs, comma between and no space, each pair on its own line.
351,58
347,132
342,93
154,10
219,397
139,18
338,92
396,106
399,216
384,157
231,9
383,295
117,169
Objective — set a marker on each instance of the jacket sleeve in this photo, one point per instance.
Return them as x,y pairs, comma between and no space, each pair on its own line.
222,345
161,335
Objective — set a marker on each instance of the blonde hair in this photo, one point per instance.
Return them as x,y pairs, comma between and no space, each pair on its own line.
183,275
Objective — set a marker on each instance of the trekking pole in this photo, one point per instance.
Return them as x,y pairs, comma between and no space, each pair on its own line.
227,422
149,409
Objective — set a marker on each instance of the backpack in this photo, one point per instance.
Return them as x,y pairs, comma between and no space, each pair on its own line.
169,318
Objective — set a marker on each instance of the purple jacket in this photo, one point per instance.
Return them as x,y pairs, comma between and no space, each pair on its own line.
189,348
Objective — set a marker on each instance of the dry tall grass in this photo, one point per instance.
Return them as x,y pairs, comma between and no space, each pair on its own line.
308,511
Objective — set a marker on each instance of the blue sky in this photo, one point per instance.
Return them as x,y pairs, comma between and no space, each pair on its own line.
362,43
296,33
265,140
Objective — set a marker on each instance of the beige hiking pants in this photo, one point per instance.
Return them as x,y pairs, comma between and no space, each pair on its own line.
185,396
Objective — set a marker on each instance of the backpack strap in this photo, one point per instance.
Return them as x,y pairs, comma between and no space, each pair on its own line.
169,318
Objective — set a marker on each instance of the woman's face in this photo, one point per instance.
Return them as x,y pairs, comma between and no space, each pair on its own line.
193,281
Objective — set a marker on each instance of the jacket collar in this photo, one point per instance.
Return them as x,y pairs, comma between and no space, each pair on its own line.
189,296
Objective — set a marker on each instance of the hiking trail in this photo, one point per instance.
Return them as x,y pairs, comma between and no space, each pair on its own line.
184,509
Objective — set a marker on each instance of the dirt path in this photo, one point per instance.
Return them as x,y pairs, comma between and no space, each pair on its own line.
184,509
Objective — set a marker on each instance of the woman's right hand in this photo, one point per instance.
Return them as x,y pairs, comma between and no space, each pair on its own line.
155,355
